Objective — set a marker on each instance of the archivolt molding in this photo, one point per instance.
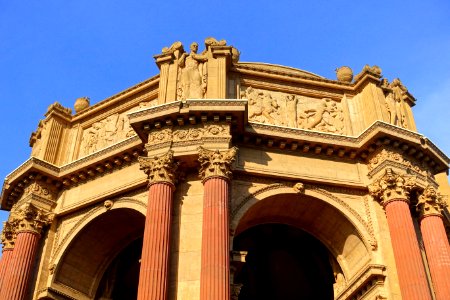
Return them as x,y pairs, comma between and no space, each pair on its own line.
89,215
309,190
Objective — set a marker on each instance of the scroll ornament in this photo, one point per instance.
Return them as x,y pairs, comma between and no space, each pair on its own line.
215,163
430,202
159,168
392,186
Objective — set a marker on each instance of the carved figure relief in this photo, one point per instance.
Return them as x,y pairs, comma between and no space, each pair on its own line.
193,75
394,102
294,111
36,138
106,132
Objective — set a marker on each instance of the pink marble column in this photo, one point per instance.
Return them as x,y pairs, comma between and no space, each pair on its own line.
154,271
6,258
435,240
16,282
215,263
393,192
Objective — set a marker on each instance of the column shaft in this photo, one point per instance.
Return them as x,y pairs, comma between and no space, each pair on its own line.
16,282
215,265
408,259
6,258
153,277
438,254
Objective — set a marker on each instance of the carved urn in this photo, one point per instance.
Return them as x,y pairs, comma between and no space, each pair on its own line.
344,74
81,104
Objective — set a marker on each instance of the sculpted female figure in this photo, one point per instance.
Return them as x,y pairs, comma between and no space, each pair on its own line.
193,74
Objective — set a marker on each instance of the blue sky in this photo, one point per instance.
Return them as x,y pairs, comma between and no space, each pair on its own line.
61,50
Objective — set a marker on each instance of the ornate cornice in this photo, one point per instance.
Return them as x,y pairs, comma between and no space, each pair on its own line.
392,186
9,235
159,168
215,163
430,203
29,218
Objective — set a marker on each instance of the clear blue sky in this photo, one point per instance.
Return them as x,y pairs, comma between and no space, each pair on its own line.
60,50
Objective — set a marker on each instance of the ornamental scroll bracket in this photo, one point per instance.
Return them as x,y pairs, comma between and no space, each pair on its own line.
392,186
215,163
160,169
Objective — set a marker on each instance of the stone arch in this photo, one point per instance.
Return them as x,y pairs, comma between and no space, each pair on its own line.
91,245
339,228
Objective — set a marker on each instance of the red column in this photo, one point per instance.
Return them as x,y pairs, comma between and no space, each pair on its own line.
6,258
18,273
435,240
153,276
408,259
215,265
154,271
392,190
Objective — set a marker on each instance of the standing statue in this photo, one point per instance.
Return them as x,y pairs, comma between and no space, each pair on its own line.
193,79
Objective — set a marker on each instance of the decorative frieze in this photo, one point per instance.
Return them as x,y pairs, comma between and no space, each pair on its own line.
430,202
392,186
159,168
29,218
215,163
294,111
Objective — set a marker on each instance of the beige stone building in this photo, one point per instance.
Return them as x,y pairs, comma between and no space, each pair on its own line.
219,179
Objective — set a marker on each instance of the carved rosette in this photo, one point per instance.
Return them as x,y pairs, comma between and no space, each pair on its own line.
430,203
215,163
9,235
159,169
392,186
28,218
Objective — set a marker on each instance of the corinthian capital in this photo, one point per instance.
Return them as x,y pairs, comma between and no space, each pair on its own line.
159,168
215,163
28,218
392,186
9,235
430,203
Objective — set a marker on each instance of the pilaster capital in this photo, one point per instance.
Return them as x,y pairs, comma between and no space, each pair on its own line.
29,218
160,168
215,163
430,203
392,186
9,235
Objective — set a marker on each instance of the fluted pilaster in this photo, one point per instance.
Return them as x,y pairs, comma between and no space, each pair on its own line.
392,190
153,276
215,265
435,240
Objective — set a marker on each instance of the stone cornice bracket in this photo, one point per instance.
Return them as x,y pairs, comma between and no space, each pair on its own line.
392,186
29,218
159,169
215,163
430,203
9,235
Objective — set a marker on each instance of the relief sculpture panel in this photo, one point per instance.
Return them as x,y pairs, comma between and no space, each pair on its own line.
106,132
294,111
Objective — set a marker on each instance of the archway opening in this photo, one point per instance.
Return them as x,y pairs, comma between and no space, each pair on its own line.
110,243
283,262
121,279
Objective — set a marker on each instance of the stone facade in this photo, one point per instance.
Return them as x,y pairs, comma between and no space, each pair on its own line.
218,179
